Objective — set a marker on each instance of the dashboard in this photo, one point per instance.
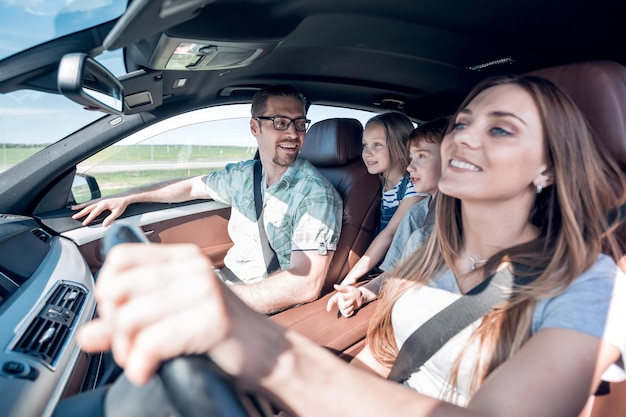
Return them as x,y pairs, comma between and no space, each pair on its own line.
46,293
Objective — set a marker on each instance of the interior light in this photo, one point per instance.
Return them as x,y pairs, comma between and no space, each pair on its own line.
187,55
179,83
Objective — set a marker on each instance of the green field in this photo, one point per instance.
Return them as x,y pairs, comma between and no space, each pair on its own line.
119,168
112,183
164,153
11,154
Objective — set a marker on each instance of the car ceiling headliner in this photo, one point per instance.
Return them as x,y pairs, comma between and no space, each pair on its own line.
359,52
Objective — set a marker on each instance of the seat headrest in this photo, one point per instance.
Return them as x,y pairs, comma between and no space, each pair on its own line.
599,90
333,142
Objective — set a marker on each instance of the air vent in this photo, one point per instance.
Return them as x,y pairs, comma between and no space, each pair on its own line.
41,235
46,336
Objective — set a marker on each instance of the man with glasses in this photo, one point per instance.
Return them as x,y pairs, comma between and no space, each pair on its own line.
302,211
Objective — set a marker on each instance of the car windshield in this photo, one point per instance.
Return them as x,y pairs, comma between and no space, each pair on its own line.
29,119
26,23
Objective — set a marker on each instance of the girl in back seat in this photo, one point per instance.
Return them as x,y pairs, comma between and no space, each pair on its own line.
425,169
385,153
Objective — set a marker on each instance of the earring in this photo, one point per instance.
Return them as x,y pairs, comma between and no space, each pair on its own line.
539,188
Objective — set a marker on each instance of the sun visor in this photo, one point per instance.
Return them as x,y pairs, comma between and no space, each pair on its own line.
143,90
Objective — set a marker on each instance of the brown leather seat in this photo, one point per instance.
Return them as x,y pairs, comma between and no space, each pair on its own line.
599,90
334,147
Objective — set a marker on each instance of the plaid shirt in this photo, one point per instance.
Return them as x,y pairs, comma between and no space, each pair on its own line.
302,212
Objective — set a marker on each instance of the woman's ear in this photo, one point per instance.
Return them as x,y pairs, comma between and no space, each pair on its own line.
544,179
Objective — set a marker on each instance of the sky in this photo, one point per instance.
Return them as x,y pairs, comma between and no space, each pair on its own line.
32,117
227,124
25,23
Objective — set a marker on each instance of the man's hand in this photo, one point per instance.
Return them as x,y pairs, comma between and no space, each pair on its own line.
93,208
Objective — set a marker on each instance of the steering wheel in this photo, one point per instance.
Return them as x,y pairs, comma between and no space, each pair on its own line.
193,386
197,387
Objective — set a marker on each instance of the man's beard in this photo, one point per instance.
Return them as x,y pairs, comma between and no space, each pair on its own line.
283,162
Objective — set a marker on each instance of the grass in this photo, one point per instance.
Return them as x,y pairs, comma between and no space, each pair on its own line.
169,158
115,182
119,168
162,153
12,154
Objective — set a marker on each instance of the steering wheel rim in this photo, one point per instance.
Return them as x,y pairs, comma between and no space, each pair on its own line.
187,386
193,385
197,387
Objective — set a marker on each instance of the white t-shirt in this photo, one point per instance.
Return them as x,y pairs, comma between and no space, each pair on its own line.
595,304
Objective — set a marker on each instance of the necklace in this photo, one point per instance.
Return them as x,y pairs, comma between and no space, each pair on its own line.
475,261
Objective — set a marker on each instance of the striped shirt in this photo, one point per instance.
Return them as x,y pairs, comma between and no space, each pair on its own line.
391,199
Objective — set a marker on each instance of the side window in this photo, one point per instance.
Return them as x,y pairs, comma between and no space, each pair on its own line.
187,145
183,146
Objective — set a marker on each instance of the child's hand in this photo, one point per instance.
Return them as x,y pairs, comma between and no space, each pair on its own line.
348,299
349,280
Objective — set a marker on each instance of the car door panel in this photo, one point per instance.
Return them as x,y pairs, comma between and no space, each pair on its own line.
208,230
202,222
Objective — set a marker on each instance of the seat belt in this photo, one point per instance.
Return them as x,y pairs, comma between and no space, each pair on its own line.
435,332
424,342
271,259
429,338
269,255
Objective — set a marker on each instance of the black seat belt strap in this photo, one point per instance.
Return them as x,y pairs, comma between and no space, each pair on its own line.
432,335
271,259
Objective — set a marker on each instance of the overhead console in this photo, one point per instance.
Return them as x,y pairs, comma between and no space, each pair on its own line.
174,53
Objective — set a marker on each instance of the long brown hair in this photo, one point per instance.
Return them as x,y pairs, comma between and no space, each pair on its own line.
571,216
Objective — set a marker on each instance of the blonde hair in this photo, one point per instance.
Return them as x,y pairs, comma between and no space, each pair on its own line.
398,128
571,215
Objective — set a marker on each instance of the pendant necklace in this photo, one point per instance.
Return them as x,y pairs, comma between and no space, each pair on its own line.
475,261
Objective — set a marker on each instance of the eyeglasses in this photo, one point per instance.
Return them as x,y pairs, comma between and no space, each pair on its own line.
282,123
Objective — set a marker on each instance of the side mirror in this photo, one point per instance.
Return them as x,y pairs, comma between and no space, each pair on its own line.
85,81
84,188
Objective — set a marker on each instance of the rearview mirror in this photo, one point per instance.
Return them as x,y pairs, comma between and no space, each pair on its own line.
85,81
